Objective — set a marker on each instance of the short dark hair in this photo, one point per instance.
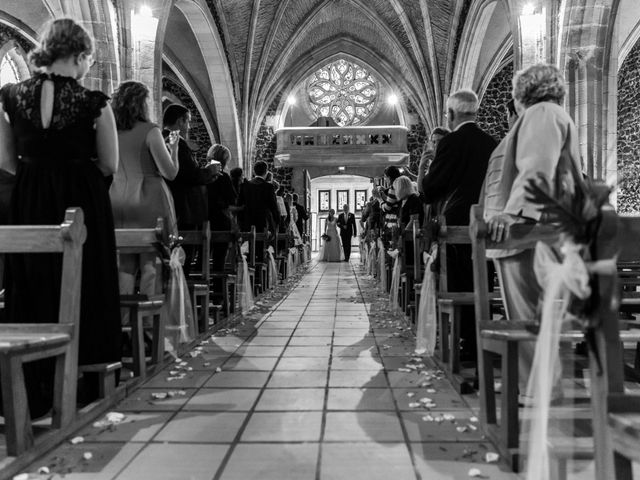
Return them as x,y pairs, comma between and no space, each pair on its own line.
295,197
173,113
392,172
511,107
260,168
236,172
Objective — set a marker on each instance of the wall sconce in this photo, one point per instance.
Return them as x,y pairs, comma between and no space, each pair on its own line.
533,32
341,169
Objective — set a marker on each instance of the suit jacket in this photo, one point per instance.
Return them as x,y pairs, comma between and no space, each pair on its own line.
455,177
220,194
260,205
188,188
302,216
348,226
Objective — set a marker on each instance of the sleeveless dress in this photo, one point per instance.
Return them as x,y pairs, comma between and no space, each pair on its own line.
332,249
56,170
139,194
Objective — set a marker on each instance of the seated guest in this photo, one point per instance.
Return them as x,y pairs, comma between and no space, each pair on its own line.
259,206
543,141
139,194
452,185
411,207
60,140
221,196
188,187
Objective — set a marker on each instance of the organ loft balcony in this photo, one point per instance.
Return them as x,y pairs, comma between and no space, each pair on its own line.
365,146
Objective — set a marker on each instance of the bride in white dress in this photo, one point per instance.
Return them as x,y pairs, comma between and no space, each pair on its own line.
331,250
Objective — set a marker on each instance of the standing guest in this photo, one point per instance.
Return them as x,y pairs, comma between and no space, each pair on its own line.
301,213
139,194
452,185
389,205
411,207
429,152
221,196
542,142
259,206
282,206
60,138
237,179
348,230
188,187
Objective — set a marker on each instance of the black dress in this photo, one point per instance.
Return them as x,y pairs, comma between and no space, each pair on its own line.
56,170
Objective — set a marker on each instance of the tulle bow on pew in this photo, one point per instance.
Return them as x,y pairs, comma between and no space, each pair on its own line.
382,266
180,324
245,290
427,317
394,304
561,280
273,269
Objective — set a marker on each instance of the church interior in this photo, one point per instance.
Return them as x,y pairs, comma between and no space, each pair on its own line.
300,368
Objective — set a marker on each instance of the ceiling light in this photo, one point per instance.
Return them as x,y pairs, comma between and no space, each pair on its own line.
393,99
342,168
528,9
145,11
291,99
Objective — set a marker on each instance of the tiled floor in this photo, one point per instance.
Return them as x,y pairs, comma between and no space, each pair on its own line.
314,393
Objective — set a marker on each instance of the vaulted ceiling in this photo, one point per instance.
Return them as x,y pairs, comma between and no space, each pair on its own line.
273,44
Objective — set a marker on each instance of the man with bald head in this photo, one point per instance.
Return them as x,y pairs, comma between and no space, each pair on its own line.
452,185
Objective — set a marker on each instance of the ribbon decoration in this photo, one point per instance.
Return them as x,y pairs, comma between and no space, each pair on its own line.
273,269
382,265
245,290
290,263
371,259
427,316
395,281
180,320
560,281
363,252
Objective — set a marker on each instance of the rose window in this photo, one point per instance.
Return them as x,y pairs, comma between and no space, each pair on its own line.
343,91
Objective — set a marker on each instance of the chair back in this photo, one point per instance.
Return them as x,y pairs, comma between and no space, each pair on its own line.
66,238
202,239
448,235
250,238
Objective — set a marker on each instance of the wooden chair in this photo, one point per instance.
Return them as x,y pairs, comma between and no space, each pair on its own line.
22,343
227,278
198,283
616,414
450,303
141,306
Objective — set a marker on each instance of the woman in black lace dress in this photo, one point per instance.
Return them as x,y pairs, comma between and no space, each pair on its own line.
60,139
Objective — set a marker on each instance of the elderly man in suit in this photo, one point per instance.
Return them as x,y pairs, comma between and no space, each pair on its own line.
259,205
452,185
347,226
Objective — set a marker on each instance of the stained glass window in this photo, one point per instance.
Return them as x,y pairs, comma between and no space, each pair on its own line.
344,91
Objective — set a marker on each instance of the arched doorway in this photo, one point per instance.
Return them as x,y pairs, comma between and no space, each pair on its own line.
331,192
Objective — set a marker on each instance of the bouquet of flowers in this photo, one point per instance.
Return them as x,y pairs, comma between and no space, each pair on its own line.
326,237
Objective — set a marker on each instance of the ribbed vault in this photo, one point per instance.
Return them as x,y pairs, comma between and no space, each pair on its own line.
407,41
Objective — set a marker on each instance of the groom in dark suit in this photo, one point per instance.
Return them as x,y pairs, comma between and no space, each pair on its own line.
347,226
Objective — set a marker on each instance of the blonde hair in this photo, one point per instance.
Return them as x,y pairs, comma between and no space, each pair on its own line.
539,83
403,187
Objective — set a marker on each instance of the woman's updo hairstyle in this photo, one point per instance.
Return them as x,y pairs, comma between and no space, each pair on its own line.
62,38
129,104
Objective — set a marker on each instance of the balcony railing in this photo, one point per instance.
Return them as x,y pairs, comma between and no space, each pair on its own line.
306,146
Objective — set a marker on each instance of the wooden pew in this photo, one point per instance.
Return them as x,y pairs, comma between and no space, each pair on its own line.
141,306
616,414
227,277
198,283
21,343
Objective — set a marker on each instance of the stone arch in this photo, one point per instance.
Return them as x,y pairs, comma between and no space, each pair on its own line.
486,40
17,55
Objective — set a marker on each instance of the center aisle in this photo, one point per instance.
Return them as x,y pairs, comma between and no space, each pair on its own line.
314,393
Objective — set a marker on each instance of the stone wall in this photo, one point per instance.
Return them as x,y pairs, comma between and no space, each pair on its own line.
491,115
7,33
198,133
416,139
629,133
266,146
